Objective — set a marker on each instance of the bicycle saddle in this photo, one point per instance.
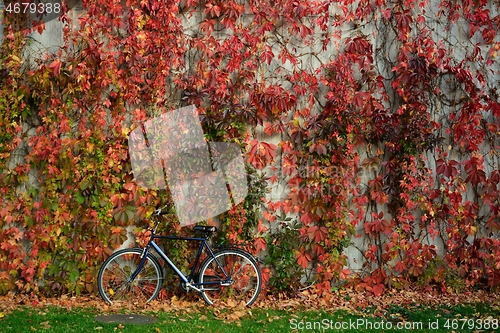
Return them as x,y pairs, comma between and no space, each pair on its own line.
205,228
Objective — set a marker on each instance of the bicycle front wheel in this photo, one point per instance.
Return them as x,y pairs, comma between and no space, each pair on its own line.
230,278
113,279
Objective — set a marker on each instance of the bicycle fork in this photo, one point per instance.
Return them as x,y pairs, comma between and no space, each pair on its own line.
139,268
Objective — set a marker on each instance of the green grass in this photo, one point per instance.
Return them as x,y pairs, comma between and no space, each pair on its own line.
463,318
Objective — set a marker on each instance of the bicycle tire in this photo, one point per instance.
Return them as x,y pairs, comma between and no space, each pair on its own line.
116,270
241,268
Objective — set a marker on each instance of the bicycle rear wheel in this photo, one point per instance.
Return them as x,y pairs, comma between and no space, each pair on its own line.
241,269
114,274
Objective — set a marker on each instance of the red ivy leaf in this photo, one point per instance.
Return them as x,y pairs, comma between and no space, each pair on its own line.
344,274
260,244
303,259
208,26
214,11
267,55
55,66
306,219
378,289
318,148
40,26
447,169
476,176
495,109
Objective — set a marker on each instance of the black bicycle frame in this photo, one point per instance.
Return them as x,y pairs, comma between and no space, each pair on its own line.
164,256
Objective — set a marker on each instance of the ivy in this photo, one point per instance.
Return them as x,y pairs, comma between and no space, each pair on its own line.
380,124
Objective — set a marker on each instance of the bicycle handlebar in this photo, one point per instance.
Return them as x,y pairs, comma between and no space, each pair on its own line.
160,211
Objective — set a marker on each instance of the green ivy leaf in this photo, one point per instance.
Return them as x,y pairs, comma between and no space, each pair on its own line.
79,198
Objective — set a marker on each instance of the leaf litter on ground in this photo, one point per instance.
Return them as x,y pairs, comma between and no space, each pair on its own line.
348,300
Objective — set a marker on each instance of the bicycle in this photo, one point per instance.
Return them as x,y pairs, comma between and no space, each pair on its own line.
228,276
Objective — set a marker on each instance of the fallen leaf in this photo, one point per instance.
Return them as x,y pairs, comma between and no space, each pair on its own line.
45,325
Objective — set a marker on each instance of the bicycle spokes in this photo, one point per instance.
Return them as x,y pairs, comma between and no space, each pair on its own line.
233,279
229,277
115,283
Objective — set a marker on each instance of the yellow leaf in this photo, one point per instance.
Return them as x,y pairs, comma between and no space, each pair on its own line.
15,58
111,292
125,131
